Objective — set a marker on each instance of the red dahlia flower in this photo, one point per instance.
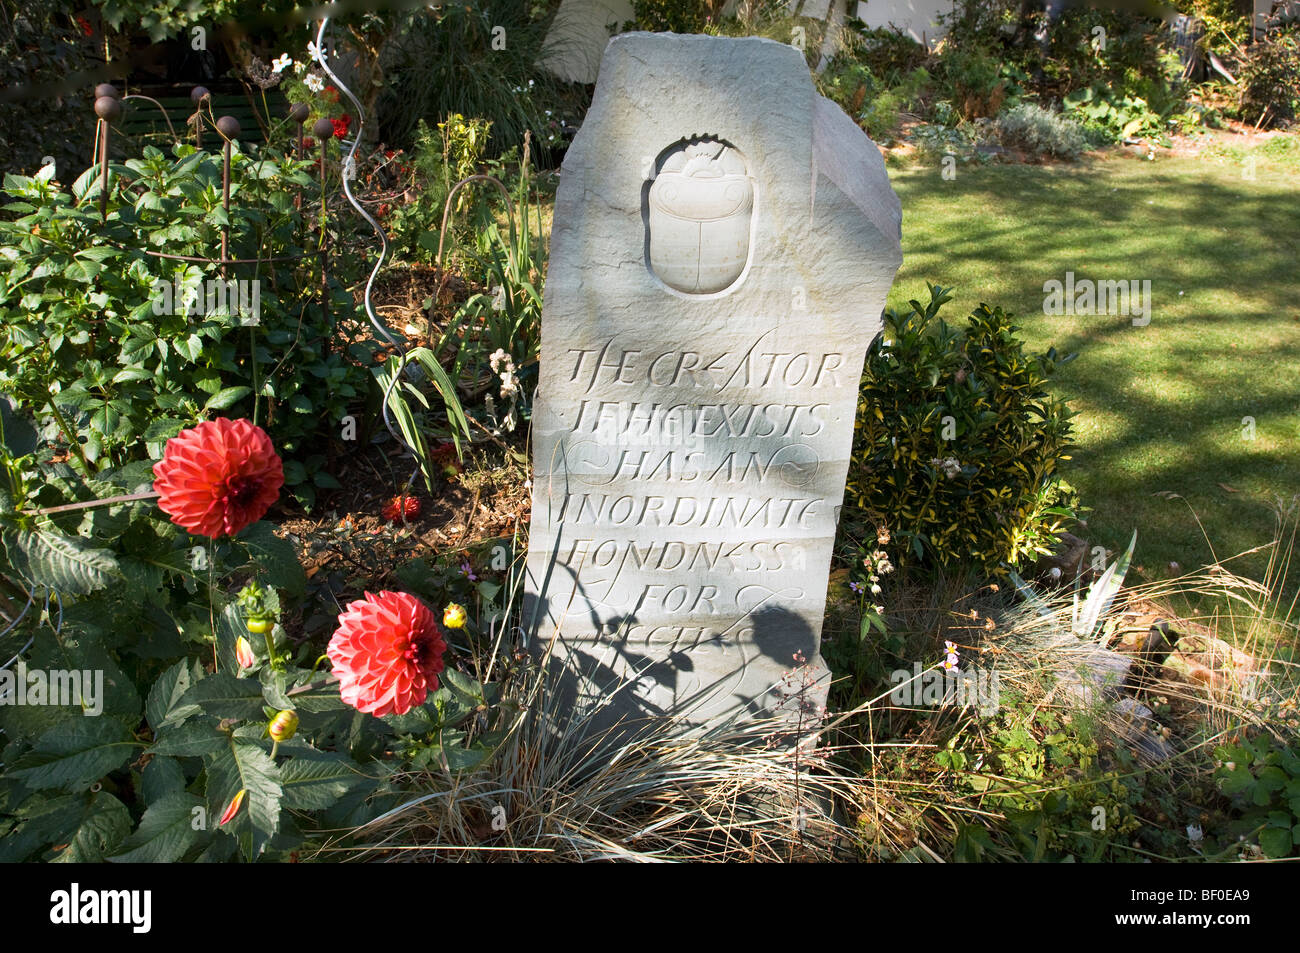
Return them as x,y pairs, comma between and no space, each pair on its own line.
219,477
402,507
387,653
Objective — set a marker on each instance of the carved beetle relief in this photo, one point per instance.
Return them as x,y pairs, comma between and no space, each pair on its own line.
699,212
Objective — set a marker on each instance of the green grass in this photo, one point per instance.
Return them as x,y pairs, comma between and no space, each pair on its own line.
1159,408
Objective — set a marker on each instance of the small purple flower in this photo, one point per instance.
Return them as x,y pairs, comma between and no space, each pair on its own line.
856,587
468,572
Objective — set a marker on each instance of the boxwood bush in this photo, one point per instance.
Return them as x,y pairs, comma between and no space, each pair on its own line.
958,441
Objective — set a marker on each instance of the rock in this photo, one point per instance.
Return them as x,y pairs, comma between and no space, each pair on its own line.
1069,557
1139,728
1146,640
1215,664
1094,673
723,242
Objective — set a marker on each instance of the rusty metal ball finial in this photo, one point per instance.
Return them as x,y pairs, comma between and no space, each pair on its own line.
228,126
108,109
299,112
323,129
107,89
198,94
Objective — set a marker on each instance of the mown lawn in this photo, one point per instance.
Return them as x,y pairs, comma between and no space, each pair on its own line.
1160,408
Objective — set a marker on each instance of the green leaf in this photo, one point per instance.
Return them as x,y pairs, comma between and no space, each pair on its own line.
226,696
75,754
323,698
470,691
198,736
278,558
315,781
103,823
161,777
244,766
17,436
66,564
226,397
166,831
1275,842
41,821
163,705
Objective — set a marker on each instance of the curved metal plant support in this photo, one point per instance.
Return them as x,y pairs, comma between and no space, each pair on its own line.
407,434
167,118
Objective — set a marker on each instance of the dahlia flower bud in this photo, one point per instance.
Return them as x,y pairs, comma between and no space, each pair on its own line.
453,617
233,807
284,725
244,653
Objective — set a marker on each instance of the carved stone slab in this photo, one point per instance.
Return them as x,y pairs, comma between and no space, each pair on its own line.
724,240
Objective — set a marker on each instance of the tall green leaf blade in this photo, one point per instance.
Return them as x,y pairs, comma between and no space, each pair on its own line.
1103,592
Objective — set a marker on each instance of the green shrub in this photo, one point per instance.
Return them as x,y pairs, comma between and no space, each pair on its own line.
847,83
889,54
1112,118
973,79
140,766
958,440
446,63
1007,32
1269,90
675,16
94,339
1041,131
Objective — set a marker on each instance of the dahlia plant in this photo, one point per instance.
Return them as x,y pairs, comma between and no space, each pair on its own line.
218,735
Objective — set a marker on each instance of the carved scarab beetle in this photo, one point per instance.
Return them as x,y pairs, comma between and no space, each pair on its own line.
700,208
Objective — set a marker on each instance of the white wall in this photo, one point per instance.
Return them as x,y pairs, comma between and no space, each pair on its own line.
915,18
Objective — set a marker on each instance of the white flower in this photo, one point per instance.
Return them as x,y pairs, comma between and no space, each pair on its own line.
281,63
509,387
501,362
314,83
875,589
1194,833
315,52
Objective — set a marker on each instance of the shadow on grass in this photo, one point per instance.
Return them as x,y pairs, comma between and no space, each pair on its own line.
1162,406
